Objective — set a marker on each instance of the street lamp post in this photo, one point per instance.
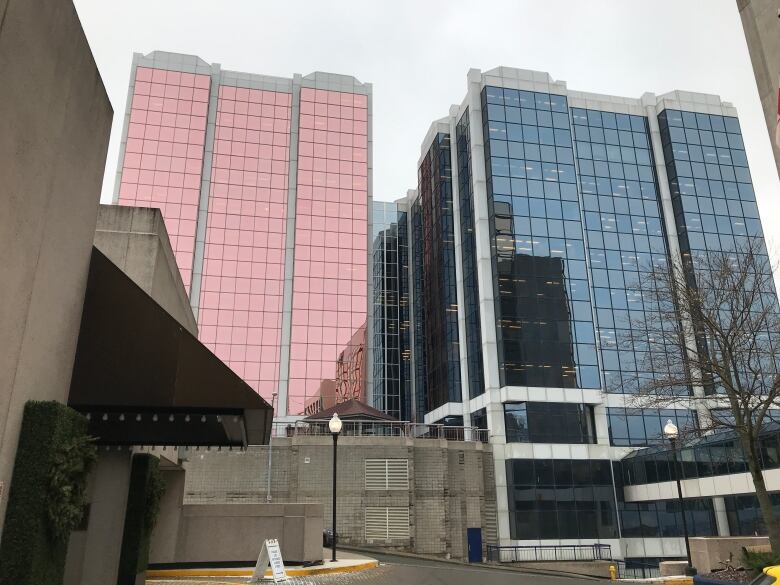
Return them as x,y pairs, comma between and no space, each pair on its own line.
335,428
672,433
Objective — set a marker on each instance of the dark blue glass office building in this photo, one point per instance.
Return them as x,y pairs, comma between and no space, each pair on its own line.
538,216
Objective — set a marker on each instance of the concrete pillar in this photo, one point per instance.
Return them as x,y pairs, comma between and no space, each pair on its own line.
93,556
721,518
162,548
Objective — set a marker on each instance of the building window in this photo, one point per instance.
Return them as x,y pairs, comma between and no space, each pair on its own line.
658,519
713,197
637,427
744,514
718,454
549,422
385,523
479,419
625,240
390,345
439,291
560,499
476,378
543,307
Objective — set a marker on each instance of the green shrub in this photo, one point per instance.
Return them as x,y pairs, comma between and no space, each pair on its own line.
756,561
143,504
46,497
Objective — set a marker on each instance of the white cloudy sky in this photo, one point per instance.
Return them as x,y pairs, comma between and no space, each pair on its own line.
417,52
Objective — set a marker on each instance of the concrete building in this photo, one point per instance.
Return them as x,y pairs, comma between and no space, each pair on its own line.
538,209
761,22
53,141
265,187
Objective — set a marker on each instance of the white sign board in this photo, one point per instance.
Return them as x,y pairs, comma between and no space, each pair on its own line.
269,554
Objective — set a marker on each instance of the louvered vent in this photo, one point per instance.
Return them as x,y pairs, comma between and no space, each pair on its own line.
387,523
387,474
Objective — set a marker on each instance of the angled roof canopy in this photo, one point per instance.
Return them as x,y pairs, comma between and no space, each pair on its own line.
145,380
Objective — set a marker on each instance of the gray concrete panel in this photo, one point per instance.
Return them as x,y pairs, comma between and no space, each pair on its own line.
55,119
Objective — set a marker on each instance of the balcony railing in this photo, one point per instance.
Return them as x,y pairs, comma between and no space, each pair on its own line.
373,428
562,552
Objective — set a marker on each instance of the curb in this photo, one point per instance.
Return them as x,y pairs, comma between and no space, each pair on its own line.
484,565
292,572
659,581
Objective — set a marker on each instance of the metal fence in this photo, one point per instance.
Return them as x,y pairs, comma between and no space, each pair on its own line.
373,428
634,570
562,552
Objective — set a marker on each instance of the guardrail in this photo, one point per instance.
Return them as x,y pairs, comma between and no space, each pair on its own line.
373,428
562,552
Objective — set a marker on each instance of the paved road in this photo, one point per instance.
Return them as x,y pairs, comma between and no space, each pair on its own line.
396,570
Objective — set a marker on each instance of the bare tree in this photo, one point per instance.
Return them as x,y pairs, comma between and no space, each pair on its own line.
709,339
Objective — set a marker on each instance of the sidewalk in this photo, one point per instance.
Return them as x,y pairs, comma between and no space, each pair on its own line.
347,562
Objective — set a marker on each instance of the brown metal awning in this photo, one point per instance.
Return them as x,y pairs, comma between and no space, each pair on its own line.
145,380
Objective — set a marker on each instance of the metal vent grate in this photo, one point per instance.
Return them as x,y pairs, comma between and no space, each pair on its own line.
384,523
387,474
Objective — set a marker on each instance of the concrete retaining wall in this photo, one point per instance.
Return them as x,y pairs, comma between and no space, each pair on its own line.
706,552
451,486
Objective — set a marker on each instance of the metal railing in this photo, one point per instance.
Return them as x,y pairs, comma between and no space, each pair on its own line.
373,428
634,570
561,552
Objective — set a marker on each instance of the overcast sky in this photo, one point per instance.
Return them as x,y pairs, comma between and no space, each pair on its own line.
416,54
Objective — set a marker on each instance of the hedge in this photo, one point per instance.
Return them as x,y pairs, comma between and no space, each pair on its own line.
46,497
143,504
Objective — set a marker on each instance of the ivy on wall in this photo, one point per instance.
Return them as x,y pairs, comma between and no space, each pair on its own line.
46,498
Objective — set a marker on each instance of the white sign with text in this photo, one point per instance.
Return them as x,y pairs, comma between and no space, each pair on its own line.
269,554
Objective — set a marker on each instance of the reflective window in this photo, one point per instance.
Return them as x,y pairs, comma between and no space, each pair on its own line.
712,194
476,381
549,422
163,160
419,328
543,305
479,419
390,348
744,514
327,348
718,454
641,427
662,518
439,293
625,238
560,499
240,316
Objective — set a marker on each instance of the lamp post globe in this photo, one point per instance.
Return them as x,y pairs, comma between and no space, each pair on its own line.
334,425
671,431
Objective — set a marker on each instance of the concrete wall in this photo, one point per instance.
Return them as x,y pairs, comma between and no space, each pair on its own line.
55,119
231,532
135,239
706,552
93,555
451,485
223,533
762,31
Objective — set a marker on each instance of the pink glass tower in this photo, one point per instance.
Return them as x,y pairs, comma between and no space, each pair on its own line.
265,187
